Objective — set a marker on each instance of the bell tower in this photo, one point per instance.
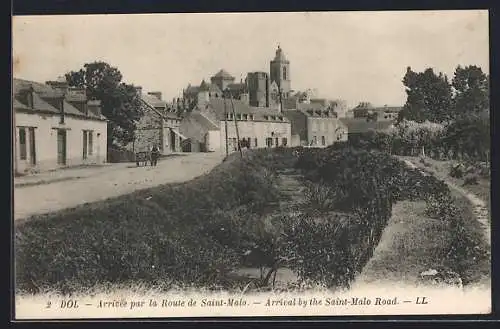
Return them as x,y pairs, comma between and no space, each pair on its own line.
280,72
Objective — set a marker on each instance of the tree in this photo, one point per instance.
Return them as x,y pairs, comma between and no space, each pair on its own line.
471,88
429,96
119,101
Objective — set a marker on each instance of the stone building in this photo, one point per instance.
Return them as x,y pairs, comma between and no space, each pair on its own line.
314,124
367,110
158,126
56,126
206,126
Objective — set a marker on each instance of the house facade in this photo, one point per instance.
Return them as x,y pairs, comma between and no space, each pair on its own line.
256,127
55,126
315,124
158,126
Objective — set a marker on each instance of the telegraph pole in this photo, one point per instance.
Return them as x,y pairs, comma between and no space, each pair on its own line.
236,126
225,123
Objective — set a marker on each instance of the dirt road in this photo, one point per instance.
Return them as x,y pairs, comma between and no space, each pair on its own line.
109,182
479,206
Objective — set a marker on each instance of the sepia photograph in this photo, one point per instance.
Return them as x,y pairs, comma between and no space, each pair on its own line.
251,164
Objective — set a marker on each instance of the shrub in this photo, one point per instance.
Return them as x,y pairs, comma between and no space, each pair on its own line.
471,179
170,233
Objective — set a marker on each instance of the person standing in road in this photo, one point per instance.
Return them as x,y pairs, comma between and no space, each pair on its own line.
155,154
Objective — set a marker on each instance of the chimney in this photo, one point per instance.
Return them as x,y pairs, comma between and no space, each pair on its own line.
157,94
94,106
61,85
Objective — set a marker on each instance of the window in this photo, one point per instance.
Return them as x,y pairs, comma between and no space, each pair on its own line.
269,142
277,141
235,144
85,144
315,140
88,143
91,142
22,144
284,72
32,145
255,142
323,141
284,141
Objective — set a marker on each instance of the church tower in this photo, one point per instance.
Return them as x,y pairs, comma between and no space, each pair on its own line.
280,72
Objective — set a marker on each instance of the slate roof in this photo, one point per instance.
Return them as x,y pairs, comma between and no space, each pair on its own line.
361,125
153,100
223,74
160,106
46,98
259,113
237,86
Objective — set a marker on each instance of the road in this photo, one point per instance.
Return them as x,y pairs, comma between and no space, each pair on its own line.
479,207
108,182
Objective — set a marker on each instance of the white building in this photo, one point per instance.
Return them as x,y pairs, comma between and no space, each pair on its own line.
55,126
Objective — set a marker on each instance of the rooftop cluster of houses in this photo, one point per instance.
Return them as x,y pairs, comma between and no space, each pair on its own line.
58,126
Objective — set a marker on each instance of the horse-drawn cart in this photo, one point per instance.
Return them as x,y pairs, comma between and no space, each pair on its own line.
142,158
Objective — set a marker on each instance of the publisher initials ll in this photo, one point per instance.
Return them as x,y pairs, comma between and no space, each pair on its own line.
421,301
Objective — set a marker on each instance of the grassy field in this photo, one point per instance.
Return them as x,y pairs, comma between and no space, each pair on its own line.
412,243
441,169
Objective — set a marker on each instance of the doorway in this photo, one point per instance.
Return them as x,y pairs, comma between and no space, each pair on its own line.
172,141
61,147
32,146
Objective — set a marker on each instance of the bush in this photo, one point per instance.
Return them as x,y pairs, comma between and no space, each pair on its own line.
167,233
457,171
471,179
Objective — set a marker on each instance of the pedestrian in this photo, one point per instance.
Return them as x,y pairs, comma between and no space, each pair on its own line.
155,153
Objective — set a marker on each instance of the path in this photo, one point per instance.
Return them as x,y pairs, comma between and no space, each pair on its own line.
293,195
105,182
479,207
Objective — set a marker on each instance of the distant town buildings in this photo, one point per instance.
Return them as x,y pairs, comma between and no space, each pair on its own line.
268,112
56,126
158,126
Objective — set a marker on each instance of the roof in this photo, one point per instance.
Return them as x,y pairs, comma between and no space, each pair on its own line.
361,125
192,89
223,74
311,106
203,86
393,109
217,105
213,88
45,99
153,100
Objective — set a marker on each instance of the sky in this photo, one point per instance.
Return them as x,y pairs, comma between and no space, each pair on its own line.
354,56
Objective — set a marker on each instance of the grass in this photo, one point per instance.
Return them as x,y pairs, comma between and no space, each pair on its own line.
441,170
146,236
412,243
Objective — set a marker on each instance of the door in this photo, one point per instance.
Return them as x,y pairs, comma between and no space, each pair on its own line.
32,146
172,141
61,147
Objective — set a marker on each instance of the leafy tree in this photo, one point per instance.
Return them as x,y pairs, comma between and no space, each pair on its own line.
429,96
471,88
119,101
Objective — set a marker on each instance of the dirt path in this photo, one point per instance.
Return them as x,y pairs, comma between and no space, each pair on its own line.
113,181
479,207
293,195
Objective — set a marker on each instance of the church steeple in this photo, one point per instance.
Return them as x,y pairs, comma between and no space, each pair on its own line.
280,72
